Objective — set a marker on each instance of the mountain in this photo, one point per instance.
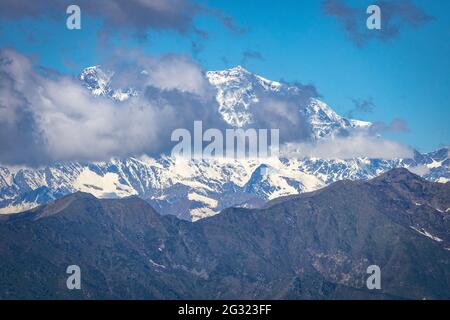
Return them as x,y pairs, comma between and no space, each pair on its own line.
316,245
98,81
239,91
194,189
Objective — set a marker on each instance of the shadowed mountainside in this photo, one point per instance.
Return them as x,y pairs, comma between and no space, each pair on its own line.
312,246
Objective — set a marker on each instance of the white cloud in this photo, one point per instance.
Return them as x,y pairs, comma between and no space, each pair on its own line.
55,118
353,146
45,119
170,72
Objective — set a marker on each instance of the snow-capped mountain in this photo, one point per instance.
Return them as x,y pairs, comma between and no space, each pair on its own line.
238,92
98,82
194,189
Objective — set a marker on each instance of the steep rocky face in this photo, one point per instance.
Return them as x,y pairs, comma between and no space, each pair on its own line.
315,245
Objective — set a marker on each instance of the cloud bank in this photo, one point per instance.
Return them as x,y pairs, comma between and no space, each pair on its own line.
137,16
45,119
397,125
361,106
353,146
395,15
251,55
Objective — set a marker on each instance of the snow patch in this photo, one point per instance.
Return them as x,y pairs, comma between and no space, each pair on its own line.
443,180
200,213
434,164
18,208
106,186
212,203
427,234
157,264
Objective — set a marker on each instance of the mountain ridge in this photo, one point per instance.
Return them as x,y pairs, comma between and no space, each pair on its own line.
315,247
166,183
193,189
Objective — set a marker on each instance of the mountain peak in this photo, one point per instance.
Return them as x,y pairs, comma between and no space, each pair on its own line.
398,174
81,195
235,74
233,70
96,79
238,68
77,201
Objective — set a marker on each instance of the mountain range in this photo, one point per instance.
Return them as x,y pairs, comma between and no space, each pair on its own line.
316,245
193,189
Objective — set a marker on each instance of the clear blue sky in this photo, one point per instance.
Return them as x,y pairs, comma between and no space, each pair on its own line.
408,77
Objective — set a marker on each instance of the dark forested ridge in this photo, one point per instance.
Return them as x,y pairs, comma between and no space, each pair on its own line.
312,246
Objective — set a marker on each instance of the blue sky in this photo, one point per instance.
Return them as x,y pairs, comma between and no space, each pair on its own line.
407,77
